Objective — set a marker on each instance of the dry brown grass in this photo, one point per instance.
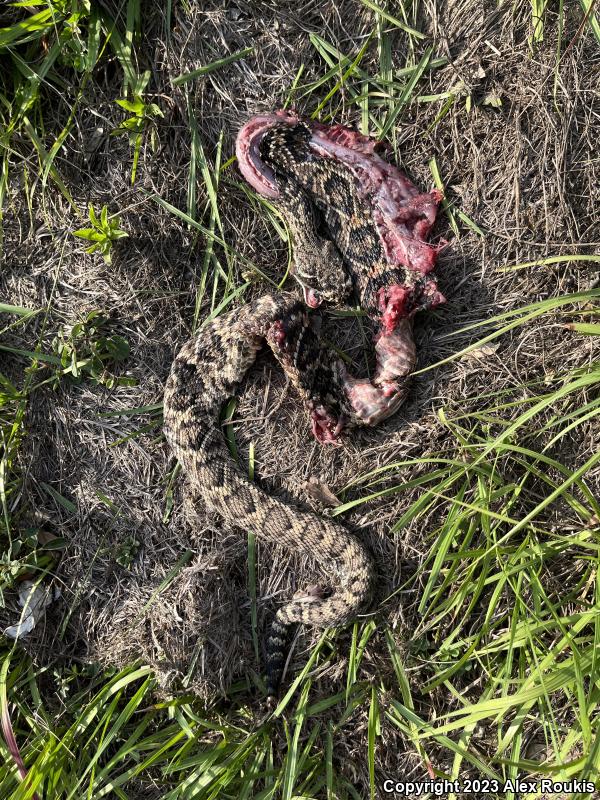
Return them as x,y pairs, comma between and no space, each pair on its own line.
527,172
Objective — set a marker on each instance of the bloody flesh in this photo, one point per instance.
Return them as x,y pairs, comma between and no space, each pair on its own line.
403,217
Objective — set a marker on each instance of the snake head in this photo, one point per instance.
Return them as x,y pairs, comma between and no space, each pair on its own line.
327,282
333,285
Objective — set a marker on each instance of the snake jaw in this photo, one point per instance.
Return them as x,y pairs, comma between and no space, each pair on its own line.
311,297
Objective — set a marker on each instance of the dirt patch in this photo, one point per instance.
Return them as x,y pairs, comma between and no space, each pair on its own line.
520,163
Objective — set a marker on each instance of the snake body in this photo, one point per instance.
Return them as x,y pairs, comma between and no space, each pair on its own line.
321,180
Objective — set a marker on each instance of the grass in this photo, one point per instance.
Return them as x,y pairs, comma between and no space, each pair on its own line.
494,673
42,52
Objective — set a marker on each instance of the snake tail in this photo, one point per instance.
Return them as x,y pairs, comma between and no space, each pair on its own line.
204,374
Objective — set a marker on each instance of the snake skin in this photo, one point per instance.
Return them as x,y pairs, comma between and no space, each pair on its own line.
340,246
207,371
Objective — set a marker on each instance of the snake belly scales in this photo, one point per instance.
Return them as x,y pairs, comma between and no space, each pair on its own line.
359,226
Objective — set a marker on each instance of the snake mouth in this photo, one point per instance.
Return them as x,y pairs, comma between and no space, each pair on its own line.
311,297
247,149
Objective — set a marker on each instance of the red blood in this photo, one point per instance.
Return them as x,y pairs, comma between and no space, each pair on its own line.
277,332
348,138
433,294
325,428
392,304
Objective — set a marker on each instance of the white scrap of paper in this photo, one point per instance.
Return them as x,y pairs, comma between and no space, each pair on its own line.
33,600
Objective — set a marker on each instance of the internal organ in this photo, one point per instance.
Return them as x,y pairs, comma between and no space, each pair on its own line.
402,217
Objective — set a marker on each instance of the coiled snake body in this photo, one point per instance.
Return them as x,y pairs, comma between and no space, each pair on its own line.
357,224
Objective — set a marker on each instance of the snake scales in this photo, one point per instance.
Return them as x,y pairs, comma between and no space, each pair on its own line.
357,225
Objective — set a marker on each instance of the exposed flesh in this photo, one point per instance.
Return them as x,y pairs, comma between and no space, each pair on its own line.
402,216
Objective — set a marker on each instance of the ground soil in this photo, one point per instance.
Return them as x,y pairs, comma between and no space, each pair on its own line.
521,164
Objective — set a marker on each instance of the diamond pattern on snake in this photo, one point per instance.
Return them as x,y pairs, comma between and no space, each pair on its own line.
359,227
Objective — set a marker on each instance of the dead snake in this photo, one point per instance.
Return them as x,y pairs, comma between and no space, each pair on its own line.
359,225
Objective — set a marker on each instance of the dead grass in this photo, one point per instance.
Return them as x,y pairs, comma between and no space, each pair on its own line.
525,171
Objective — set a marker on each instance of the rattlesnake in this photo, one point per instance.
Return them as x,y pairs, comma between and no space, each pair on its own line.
356,223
